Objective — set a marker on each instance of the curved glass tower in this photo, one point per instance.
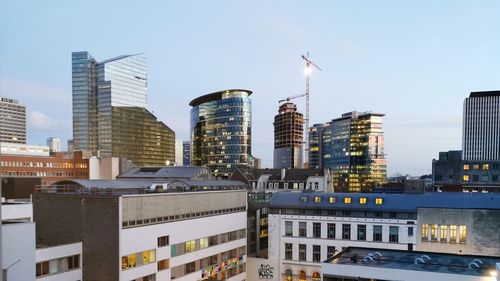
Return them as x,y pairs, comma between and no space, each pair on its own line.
221,125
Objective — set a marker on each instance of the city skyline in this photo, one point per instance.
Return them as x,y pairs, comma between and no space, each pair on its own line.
414,64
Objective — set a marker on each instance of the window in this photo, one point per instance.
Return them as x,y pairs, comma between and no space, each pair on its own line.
453,233
317,230
463,233
346,231
347,200
302,252
204,243
302,275
393,234
485,178
316,276
303,199
434,230
331,200
475,166
190,246
362,232
377,233
425,231
362,200
410,231
288,275
466,167
190,267
163,241
302,229
285,185
163,264
317,199
494,178
379,201
213,240
288,251
330,231
138,259
330,251
466,178
288,228
443,233
316,253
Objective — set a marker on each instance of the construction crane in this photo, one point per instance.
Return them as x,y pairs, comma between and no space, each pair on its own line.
307,72
291,98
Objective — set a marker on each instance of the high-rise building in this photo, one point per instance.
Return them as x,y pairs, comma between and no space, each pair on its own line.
110,118
12,121
315,146
54,144
288,137
221,125
481,126
352,147
186,153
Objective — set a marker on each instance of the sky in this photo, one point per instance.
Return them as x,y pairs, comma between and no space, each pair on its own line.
414,61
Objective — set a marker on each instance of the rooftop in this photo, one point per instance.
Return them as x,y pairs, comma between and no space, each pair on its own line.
215,96
386,202
417,261
484,94
251,173
166,172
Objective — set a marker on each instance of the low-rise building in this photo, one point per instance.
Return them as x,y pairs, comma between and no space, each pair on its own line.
149,229
355,264
307,228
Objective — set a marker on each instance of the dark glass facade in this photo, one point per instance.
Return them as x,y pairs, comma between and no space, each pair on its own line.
221,125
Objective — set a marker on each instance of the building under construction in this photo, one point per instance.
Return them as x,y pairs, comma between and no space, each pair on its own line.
288,137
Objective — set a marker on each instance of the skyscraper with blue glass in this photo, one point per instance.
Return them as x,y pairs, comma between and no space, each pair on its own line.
109,111
221,130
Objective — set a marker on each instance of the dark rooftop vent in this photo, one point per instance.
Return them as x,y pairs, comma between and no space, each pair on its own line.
149,169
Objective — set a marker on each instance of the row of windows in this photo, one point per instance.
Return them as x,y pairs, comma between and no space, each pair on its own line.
484,178
484,167
316,256
66,165
138,259
444,233
137,223
302,275
291,185
216,264
202,243
346,231
346,200
57,265
43,174
346,213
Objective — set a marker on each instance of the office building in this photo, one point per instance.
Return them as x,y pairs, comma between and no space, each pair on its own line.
70,146
12,121
308,228
186,153
32,161
355,264
149,229
315,146
288,137
54,144
221,131
110,118
481,126
352,147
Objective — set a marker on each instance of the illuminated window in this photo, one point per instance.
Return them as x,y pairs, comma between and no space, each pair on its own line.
443,233
148,256
347,200
434,230
466,167
379,201
190,246
288,274
453,233
317,199
204,243
466,177
163,264
302,275
463,233
486,167
362,200
332,200
425,231
475,166
316,276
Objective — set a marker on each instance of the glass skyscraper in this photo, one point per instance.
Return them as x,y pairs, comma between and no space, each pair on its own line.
221,125
288,137
109,111
352,147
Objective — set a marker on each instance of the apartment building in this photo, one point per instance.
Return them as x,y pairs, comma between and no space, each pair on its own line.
308,228
149,229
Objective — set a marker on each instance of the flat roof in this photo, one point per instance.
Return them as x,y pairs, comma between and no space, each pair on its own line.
484,94
415,260
389,202
215,96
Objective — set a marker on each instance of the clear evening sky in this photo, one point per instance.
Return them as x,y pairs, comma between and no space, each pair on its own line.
415,61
